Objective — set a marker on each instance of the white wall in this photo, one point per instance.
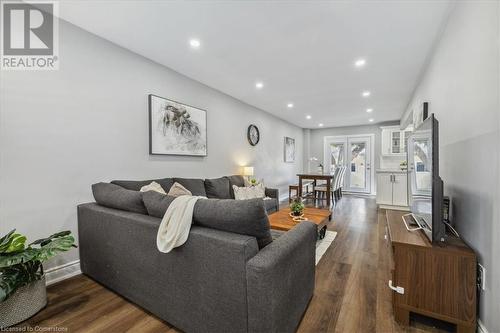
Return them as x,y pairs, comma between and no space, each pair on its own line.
61,131
461,85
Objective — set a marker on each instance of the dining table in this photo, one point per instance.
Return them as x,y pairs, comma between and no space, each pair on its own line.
328,177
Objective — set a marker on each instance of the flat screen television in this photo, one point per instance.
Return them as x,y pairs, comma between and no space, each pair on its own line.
426,189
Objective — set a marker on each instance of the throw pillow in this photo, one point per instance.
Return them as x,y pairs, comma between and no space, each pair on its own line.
156,203
135,185
177,190
154,186
194,185
246,217
245,193
114,196
218,188
235,180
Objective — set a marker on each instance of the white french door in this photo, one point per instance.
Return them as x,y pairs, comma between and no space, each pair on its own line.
354,152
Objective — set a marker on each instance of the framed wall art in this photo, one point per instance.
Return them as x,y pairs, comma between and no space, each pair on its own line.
176,128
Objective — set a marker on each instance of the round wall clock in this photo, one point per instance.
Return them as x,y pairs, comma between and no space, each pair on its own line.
253,135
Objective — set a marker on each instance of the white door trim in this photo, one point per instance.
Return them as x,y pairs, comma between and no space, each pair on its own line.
372,154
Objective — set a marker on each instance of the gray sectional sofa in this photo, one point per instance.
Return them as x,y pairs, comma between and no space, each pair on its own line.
218,281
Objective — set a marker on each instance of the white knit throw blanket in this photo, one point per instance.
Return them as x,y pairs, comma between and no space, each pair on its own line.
176,223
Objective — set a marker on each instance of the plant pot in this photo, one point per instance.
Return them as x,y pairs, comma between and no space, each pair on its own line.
294,215
23,303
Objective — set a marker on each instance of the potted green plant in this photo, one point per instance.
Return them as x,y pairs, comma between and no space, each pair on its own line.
22,280
297,207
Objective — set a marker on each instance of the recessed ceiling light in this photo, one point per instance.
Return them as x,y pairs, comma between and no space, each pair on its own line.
369,110
320,124
371,120
308,117
289,105
195,43
366,93
360,63
259,85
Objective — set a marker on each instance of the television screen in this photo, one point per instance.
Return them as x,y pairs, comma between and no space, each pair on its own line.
421,192
426,189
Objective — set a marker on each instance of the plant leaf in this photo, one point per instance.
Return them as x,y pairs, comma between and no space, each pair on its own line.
57,245
6,240
44,241
17,243
12,259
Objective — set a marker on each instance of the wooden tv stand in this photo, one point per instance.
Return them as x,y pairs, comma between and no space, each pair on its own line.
439,281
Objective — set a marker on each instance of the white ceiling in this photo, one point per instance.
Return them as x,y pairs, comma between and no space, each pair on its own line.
303,51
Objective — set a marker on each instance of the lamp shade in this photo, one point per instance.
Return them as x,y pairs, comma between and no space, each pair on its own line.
247,171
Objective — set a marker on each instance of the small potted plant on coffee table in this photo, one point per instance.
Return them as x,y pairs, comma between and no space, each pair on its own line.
297,208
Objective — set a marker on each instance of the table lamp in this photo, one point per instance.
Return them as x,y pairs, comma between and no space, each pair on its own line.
248,171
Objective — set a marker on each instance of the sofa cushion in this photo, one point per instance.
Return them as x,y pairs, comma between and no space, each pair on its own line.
166,183
177,190
251,192
218,188
154,186
156,203
271,205
114,196
246,217
236,180
194,185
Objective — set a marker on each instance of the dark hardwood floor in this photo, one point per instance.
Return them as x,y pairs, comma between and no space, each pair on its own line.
351,292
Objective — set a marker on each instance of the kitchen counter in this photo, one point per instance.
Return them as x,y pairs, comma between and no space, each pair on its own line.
391,171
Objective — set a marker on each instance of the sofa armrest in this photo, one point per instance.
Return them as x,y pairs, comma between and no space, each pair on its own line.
272,193
280,281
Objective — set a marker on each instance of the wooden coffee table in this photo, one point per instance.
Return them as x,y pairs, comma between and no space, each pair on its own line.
281,220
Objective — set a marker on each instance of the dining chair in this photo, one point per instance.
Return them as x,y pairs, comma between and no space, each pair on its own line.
339,184
320,190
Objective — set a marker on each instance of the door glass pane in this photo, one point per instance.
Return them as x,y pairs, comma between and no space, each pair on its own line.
358,165
337,153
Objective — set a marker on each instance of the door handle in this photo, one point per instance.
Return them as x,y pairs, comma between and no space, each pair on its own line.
398,289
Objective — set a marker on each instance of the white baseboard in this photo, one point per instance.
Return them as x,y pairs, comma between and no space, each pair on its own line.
480,327
403,208
62,272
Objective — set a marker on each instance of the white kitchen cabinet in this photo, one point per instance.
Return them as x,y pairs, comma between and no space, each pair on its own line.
394,140
384,188
400,189
392,189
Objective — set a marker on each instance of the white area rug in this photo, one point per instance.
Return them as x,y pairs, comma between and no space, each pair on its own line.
323,244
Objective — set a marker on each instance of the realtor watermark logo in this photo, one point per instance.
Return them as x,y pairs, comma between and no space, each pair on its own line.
30,35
